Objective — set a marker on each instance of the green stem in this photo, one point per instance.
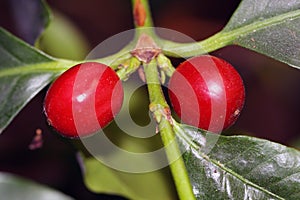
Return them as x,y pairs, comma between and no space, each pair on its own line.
132,65
165,64
160,109
210,44
118,58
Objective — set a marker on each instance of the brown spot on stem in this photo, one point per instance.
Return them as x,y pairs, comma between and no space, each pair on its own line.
139,13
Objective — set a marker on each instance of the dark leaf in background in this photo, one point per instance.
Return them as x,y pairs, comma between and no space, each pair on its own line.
30,18
14,188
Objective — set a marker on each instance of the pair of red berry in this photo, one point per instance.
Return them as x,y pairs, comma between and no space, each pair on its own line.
205,92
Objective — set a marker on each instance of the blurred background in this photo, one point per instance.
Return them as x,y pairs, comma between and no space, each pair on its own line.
272,88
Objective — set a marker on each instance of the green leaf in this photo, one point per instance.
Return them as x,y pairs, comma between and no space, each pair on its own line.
100,178
268,27
63,39
239,167
14,188
24,71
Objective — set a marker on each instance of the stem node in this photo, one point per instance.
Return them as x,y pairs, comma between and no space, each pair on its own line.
146,49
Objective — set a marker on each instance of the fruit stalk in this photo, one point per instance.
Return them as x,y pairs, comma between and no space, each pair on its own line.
161,112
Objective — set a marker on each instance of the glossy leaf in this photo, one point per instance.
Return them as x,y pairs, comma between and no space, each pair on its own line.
13,188
24,71
239,167
268,27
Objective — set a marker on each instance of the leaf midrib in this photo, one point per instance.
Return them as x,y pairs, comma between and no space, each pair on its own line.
262,24
226,37
53,67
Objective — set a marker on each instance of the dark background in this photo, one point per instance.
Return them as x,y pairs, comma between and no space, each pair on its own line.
272,89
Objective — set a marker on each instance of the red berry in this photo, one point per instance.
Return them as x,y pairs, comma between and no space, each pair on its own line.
207,92
83,99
